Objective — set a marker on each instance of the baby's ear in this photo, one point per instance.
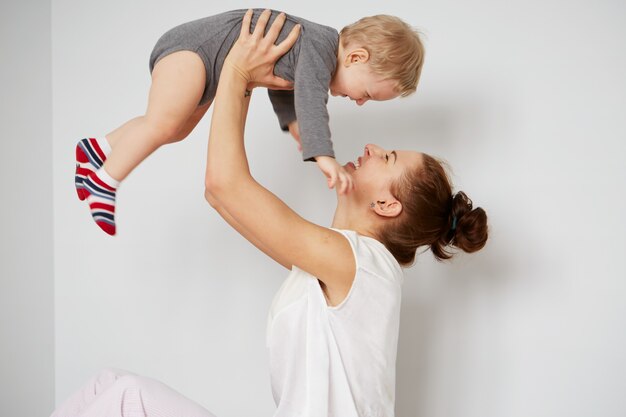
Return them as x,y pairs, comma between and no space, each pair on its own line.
359,55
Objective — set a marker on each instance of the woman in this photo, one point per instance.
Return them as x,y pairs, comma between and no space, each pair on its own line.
333,326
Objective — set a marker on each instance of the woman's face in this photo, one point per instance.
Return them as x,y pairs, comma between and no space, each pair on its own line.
375,170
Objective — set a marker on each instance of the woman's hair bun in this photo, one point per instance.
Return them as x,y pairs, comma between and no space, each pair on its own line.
470,230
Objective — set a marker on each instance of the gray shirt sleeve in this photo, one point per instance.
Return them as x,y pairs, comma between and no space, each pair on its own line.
314,70
283,104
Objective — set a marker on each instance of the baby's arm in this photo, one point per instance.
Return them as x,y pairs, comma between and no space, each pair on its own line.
335,174
283,104
313,74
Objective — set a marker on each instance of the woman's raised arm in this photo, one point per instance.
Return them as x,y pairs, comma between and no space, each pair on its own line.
254,211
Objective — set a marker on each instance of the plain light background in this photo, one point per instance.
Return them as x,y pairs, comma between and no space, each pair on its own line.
26,211
524,99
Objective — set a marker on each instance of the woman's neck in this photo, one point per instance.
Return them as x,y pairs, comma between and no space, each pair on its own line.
351,218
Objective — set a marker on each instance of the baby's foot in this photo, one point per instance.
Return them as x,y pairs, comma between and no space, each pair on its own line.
90,155
99,189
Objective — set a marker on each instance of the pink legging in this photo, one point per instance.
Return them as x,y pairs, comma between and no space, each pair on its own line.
115,393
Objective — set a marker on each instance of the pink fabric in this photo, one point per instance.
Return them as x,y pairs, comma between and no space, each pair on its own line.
115,393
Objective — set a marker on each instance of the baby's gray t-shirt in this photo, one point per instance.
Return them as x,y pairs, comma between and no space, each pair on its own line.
310,64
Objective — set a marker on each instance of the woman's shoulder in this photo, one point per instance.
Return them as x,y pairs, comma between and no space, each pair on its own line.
372,256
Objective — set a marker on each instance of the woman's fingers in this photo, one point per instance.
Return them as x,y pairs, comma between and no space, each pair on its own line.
259,29
255,55
274,32
245,24
277,25
288,42
278,83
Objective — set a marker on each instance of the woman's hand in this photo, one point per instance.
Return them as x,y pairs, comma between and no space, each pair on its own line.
253,56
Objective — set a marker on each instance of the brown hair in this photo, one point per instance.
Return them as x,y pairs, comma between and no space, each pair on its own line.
396,51
432,216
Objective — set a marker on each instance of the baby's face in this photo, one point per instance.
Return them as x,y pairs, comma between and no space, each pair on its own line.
360,84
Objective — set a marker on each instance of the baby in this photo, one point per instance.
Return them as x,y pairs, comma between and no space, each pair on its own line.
376,58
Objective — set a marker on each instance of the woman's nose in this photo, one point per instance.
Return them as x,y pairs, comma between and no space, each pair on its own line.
373,150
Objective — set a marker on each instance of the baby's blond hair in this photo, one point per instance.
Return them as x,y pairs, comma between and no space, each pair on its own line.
396,51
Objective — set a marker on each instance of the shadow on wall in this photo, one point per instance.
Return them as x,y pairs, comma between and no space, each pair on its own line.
455,327
439,337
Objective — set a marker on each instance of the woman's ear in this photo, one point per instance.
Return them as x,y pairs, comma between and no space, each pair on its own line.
388,208
358,55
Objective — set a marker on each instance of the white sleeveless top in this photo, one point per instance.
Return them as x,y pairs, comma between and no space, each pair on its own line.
337,361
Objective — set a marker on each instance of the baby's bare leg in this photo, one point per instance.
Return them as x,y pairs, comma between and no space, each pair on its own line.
178,82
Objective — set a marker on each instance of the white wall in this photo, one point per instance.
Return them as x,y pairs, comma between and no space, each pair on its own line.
525,99
26,252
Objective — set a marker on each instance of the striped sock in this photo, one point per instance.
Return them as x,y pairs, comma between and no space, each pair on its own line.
99,189
90,155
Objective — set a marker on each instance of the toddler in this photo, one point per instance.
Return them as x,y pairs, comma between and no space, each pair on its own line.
376,58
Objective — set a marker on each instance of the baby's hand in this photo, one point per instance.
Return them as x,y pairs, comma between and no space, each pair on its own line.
295,132
335,174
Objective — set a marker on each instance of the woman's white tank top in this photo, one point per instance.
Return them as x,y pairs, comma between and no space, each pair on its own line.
337,361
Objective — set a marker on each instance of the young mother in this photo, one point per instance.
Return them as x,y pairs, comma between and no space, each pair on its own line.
334,323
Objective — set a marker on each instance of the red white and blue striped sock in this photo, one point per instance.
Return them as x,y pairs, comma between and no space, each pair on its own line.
90,155
99,189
